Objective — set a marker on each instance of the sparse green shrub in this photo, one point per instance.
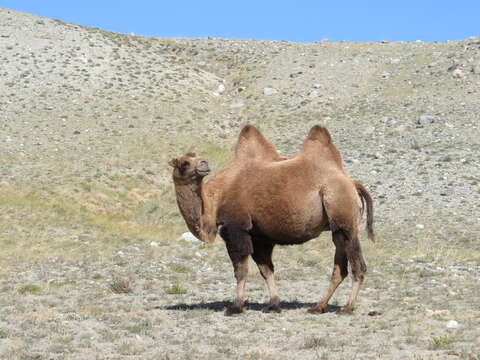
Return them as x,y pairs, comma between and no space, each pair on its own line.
120,286
29,289
175,289
144,326
314,342
180,268
441,342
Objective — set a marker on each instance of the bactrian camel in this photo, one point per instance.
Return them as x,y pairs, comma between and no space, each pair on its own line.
262,199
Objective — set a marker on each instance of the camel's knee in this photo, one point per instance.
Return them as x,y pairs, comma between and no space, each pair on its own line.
241,269
359,269
266,270
339,273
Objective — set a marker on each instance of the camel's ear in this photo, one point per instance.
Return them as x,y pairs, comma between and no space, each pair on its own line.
173,163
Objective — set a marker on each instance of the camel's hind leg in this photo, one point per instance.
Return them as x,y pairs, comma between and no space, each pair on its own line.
262,255
358,266
340,271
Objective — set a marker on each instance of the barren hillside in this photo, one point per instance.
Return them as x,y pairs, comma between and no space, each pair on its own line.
88,121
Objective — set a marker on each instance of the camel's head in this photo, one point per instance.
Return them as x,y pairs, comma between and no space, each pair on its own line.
189,168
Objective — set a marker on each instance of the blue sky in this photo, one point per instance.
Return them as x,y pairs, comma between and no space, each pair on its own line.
301,21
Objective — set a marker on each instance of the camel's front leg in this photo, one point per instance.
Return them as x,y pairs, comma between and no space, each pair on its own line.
241,272
239,247
262,255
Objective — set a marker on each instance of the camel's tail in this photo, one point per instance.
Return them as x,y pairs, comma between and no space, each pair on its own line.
366,198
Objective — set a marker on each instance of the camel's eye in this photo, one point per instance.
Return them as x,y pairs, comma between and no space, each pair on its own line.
186,164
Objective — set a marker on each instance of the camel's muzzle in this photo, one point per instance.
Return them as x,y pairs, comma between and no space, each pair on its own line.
203,169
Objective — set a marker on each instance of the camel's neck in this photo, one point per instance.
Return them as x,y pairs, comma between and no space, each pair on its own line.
191,201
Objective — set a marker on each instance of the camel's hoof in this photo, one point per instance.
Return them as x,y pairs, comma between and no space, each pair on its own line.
233,310
345,310
271,309
317,310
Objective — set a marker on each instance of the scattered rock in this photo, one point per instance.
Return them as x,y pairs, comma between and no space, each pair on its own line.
296,74
369,130
420,226
431,313
269,91
317,86
154,244
452,324
236,104
424,120
188,236
458,74
476,66
313,94
400,128
221,89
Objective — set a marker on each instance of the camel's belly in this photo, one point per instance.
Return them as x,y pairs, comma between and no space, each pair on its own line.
292,221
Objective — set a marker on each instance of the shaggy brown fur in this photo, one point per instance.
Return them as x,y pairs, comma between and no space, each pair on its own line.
261,200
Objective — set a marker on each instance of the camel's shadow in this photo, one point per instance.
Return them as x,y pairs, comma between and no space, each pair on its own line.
255,306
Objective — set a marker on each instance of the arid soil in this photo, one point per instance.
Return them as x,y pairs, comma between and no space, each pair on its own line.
93,262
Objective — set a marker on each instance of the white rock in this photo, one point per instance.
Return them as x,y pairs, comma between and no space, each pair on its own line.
154,244
216,94
269,91
188,236
221,89
313,94
452,324
420,226
425,120
236,104
317,86
369,130
458,74
476,66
